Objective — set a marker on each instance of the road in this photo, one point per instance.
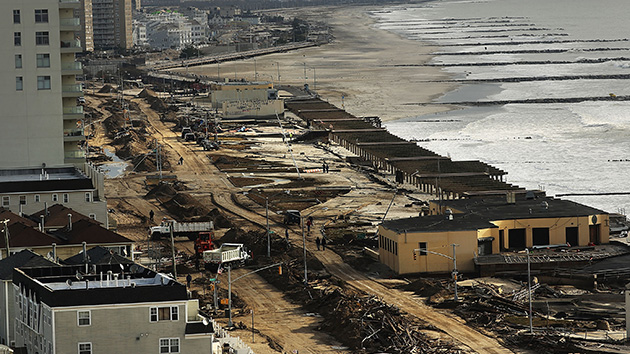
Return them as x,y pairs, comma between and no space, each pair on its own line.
283,322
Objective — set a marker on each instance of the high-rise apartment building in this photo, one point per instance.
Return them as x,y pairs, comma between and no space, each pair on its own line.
87,28
112,24
41,120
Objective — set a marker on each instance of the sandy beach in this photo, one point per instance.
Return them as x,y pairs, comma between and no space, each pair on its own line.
367,66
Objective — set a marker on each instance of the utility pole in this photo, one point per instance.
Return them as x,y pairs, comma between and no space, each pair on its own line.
173,250
268,236
529,290
455,270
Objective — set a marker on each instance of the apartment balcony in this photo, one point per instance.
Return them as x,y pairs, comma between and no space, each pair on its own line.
72,68
70,24
72,90
69,4
74,156
73,113
73,46
73,135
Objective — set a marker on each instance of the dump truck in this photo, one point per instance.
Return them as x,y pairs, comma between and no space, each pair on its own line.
229,254
188,229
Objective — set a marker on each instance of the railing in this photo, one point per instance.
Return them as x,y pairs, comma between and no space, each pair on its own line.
68,1
72,132
69,22
72,88
72,66
71,44
74,155
73,110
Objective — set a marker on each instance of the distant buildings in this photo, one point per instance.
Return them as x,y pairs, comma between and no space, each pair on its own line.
112,21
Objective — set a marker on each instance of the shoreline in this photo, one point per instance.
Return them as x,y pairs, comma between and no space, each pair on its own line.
382,87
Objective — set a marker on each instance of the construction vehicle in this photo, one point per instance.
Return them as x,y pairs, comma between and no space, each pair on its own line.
204,243
229,254
188,229
292,217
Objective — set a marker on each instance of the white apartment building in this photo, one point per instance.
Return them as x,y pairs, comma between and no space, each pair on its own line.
41,118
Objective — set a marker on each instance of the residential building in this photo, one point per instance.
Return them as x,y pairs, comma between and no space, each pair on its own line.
484,228
30,190
110,308
87,27
62,234
112,21
24,258
41,118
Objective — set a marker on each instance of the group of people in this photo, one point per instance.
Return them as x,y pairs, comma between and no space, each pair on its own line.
320,242
325,167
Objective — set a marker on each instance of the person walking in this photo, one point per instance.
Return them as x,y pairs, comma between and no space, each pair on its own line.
317,242
324,243
181,160
188,280
151,215
286,235
308,225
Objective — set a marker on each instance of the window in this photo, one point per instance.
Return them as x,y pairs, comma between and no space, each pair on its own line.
43,82
169,313
85,348
41,16
422,246
6,200
36,198
83,318
66,198
88,197
23,200
18,61
16,16
19,83
55,197
168,345
41,38
43,60
17,39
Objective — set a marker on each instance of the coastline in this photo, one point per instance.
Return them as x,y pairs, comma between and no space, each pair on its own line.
385,84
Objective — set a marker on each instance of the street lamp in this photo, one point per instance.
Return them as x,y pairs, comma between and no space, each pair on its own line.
304,242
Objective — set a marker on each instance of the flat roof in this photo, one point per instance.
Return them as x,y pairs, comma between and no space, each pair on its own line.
43,179
437,223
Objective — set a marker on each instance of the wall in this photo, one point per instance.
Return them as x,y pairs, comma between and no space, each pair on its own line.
124,328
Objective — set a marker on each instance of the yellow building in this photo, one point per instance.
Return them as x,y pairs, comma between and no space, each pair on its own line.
481,227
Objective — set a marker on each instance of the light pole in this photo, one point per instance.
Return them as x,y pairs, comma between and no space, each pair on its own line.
454,273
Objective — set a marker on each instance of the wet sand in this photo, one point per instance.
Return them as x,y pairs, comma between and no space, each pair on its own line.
365,65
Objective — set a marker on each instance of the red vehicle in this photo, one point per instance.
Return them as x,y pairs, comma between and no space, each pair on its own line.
204,243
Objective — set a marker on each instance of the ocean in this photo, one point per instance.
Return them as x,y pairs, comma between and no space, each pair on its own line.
541,91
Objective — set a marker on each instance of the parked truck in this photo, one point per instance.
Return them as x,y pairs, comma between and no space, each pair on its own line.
188,229
204,242
229,254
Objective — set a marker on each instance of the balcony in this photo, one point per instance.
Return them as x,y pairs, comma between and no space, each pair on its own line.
69,4
72,90
72,68
73,46
69,24
73,156
73,135
73,113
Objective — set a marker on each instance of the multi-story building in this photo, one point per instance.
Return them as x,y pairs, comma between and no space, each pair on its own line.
110,308
41,118
87,28
112,24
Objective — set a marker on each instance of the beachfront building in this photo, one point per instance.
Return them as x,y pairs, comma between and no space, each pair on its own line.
484,229
41,118
106,308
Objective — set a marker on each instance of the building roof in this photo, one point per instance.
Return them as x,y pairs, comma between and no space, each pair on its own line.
497,208
13,218
25,258
22,236
90,233
57,216
437,223
43,180
98,255
62,286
